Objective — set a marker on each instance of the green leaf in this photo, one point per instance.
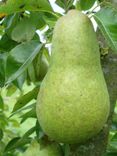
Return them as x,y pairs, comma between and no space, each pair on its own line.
25,99
11,90
86,4
10,22
50,19
24,30
23,109
37,19
20,80
16,142
29,132
39,131
13,6
6,44
31,72
20,58
1,134
3,58
65,4
110,154
11,144
29,114
67,149
1,103
19,142
107,22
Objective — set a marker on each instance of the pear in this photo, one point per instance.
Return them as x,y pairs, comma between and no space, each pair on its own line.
40,149
73,103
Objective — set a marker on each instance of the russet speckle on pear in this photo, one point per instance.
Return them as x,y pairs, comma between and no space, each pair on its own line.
73,102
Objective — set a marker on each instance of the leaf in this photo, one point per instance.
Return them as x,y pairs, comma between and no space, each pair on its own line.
110,154
29,132
37,19
3,58
10,22
106,19
67,149
6,44
13,6
65,4
1,134
20,58
50,19
20,80
23,100
22,109
31,72
60,3
1,103
16,142
114,138
11,144
86,4
29,114
24,30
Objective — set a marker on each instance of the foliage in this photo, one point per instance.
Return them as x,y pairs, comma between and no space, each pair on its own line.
21,53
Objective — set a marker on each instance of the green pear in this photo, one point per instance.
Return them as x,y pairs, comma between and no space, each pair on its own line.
40,149
73,102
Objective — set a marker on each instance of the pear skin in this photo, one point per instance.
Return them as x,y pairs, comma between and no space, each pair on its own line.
73,102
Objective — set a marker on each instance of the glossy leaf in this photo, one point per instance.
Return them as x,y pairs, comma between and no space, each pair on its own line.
86,4
13,6
20,58
107,22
